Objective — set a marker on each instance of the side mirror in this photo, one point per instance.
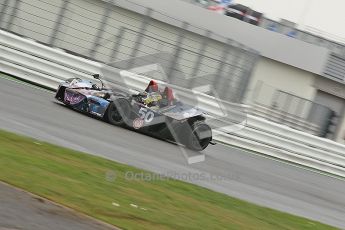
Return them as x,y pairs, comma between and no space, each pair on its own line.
96,76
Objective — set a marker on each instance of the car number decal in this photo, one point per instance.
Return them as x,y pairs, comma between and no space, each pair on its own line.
146,115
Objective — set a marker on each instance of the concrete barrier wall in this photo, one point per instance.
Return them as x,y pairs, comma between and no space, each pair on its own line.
106,32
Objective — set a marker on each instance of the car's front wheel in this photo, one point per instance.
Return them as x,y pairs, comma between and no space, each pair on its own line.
118,112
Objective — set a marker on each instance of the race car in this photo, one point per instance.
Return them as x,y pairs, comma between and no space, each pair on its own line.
157,113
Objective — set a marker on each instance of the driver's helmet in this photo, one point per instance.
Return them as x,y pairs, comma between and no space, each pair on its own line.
152,99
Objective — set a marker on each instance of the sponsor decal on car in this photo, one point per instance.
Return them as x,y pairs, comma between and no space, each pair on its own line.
73,98
138,123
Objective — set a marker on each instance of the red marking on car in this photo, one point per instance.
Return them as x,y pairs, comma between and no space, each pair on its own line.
138,123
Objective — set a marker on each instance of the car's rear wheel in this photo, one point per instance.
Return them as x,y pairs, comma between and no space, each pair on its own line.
118,112
200,136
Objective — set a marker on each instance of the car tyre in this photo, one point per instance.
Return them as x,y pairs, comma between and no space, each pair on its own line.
200,136
118,112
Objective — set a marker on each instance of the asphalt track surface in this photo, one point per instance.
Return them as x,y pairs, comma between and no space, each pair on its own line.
31,111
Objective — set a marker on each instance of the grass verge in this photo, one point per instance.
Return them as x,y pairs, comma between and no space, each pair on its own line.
96,187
